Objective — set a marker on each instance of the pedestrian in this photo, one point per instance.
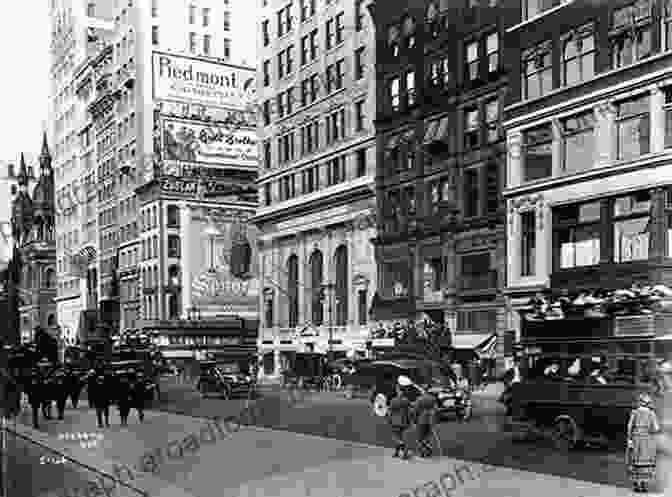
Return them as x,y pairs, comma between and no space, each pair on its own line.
47,396
641,450
73,385
124,399
425,412
35,392
399,419
138,393
100,395
60,392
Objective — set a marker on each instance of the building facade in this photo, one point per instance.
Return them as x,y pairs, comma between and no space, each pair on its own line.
33,231
104,124
441,240
589,164
316,91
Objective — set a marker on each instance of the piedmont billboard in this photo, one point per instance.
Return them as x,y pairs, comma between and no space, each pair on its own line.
192,80
191,142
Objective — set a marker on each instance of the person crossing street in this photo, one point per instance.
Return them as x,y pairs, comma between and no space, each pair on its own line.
35,391
100,393
124,397
139,394
399,420
60,391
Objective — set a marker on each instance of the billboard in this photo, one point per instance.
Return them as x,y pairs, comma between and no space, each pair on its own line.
208,83
212,144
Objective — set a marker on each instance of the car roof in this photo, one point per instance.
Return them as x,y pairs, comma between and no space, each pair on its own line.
403,363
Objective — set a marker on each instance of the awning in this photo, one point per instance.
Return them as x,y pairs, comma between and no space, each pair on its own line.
483,344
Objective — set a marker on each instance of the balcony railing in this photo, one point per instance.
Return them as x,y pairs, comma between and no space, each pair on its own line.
478,282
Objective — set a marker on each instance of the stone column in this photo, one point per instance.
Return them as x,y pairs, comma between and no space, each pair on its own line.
557,158
606,145
301,252
657,121
514,163
185,252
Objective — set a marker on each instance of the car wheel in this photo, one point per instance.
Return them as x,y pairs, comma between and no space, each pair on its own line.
380,405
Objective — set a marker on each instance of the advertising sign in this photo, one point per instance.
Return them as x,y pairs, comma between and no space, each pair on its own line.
209,83
191,142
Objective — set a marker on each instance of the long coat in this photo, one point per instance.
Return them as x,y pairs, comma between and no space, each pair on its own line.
642,427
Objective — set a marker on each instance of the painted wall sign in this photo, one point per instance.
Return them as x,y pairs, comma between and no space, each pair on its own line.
209,83
190,142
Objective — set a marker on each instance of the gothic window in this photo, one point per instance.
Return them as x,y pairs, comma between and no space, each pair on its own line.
316,271
341,286
293,290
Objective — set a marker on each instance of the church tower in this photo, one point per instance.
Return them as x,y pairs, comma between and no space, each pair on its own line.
22,208
44,197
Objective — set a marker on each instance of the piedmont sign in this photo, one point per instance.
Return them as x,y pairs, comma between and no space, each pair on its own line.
193,80
191,142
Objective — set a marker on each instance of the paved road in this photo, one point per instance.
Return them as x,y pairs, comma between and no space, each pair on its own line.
483,439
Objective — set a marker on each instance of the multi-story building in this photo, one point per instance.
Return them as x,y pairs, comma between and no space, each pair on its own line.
441,238
316,91
104,127
589,166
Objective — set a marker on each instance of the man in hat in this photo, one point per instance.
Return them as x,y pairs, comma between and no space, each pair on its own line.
35,392
100,390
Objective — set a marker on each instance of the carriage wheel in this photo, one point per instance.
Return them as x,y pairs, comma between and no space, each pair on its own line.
565,433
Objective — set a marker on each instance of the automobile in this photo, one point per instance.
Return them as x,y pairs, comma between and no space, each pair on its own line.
426,375
224,379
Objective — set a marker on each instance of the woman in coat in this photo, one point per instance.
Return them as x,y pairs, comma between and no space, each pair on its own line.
641,451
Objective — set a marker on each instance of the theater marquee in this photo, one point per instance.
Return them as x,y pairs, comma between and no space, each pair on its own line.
193,80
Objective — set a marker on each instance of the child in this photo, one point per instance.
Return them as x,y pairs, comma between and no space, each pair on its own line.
399,420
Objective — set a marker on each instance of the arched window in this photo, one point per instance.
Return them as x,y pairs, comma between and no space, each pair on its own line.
316,272
341,285
293,290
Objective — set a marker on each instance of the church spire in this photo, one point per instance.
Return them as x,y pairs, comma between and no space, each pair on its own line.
45,155
23,172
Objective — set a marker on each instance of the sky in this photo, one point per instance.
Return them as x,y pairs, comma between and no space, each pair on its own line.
24,53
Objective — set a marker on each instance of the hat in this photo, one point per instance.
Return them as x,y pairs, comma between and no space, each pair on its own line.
404,381
645,400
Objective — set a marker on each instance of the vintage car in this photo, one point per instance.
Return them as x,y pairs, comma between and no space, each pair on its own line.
427,376
225,380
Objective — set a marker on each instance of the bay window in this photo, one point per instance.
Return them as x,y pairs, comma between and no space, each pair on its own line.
576,235
630,34
528,243
578,142
538,153
578,57
632,227
537,71
633,125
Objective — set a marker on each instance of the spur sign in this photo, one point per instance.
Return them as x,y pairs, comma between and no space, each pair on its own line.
208,83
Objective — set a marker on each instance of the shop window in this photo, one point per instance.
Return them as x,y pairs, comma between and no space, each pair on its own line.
578,142
528,243
577,230
477,320
633,126
475,273
538,153
632,227
578,57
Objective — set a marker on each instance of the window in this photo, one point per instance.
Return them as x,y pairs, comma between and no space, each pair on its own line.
472,60
227,21
267,72
359,115
206,18
286,148
267,154
335,76
310,137
341,290
293,291
632,227
630,35
537,71
265,33
155,35
482,320
359,63
393,92
410,88
266,111
361,306
471,128
310,180
492,52
335,126
173,246
396,278
91,9
528,243
192,42
409,32
361,162
227,48
340,28
578,57
578,142
576,232
359,15
330,34
316,275
284,17
288,187
538,153
393,40
492,188
471,193
155,8
667,21
192,14
336,170
668,117
268,311
173,216
492,120
633,124
307,9
313,45
267,194
206,44
410,201
304,50
532,8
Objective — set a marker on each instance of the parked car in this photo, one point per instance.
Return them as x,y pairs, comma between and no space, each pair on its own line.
427,376
225,380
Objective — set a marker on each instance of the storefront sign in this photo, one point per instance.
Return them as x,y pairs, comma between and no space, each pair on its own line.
175,185
190,142
196,188
208,83
382,342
